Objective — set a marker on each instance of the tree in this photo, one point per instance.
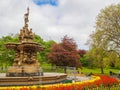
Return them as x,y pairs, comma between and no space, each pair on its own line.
108,24
65,54
42,56
83,57
82,52
113,60
46,51
106,38
6,56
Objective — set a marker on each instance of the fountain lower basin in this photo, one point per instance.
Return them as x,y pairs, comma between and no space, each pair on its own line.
47,78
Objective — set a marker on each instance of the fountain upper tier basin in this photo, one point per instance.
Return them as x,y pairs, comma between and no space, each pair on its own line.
25,45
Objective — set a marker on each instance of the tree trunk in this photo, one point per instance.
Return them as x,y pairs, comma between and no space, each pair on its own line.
65,69
101,66
102,71
52,66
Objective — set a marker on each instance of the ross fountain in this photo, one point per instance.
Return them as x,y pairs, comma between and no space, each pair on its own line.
25,62
26,69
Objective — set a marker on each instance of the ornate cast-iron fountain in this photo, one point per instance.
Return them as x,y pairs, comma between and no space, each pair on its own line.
26,68
25,62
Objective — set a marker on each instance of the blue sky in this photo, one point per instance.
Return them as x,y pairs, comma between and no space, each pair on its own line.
46,2
53,19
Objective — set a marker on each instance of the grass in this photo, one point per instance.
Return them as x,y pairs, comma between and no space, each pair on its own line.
48,68
97,70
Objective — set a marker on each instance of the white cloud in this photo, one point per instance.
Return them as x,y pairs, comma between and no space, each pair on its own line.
75,18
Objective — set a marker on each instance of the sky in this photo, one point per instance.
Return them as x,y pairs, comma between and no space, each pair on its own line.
53,19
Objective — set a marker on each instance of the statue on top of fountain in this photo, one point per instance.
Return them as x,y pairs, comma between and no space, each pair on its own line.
26,35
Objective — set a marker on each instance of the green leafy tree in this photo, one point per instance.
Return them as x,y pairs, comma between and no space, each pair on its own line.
46,51
106,38
7,56
42,56
108,24
98,55
113,60
83,58
39,40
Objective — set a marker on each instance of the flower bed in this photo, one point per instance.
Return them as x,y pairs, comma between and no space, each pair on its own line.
97,81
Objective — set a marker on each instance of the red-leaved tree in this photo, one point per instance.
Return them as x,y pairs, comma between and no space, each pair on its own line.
82,52
65,54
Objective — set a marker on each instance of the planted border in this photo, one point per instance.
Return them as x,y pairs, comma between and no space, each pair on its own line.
97,82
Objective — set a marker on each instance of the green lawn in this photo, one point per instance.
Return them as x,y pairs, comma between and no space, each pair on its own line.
97,70
47,68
